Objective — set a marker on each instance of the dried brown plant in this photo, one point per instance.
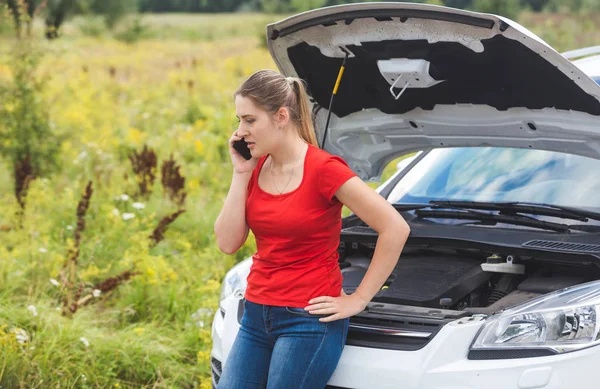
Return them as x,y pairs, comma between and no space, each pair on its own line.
144,167
72,300
172,181
69,302
158,233
23,176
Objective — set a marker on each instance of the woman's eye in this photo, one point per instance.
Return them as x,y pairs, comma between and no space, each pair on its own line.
250,121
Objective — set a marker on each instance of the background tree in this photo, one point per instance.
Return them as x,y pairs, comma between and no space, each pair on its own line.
22,12
56,13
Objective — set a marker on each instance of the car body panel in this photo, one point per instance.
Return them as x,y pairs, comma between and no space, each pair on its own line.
441,364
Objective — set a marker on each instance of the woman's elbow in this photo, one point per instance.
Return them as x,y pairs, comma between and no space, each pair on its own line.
228,250
402,227
227,247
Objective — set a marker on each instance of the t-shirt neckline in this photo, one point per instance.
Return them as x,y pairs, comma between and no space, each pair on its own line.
286,193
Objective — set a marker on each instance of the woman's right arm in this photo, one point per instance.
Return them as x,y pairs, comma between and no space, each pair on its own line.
231,229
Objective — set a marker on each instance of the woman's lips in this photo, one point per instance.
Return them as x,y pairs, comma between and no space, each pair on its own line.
250,144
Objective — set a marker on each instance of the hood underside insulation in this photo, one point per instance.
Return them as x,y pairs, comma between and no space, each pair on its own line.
506,74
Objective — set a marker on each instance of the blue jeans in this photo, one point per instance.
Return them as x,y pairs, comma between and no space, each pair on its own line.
283,348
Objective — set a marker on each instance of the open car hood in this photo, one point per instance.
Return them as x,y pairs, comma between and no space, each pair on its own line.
471,79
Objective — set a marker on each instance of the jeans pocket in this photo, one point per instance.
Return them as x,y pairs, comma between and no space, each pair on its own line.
302,312
296,310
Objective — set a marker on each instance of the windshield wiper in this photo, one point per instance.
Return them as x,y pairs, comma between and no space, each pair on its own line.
353,220
509,213
497,218
523,207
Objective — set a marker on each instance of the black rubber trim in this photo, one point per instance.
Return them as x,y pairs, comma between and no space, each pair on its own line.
240,311
481,355
384,13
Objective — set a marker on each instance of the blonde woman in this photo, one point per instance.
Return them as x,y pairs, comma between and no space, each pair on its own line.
290,194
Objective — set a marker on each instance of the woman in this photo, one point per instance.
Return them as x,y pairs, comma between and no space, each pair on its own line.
290,193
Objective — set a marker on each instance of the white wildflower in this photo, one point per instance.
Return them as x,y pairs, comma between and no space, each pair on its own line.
54,282
138,205
127,216
96,292
124,197
58,308
202,313
32,309
21,335
43,250
70,228
85,341
116,212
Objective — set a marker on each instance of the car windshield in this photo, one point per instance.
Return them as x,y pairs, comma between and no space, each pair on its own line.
502,174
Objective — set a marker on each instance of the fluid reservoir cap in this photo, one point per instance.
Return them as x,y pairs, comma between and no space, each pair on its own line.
494,258
445,301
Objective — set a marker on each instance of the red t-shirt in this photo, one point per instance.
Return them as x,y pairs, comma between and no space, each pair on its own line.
297,234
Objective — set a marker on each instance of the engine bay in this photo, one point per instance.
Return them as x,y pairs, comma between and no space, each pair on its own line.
462,280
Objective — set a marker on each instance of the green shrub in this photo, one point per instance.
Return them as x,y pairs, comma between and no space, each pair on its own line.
25,128
133,31
92,26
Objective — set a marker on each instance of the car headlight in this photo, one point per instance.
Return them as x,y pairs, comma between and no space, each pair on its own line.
562,321
235,281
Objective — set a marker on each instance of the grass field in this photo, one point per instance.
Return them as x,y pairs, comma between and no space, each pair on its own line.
171,90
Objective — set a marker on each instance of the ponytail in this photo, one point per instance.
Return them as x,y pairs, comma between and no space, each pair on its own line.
306,128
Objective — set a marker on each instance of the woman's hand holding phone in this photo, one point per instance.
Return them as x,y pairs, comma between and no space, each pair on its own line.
240,164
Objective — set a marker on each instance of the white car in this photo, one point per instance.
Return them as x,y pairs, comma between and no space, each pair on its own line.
497,286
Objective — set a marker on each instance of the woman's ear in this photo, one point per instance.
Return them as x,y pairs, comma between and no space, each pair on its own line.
282,117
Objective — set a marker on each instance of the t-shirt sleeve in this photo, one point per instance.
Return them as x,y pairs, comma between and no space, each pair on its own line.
333,174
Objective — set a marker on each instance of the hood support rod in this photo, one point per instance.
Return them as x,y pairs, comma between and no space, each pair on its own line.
335,89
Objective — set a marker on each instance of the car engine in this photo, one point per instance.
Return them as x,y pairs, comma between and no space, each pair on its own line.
458,281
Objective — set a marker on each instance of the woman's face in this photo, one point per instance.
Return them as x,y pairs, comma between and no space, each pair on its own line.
257,126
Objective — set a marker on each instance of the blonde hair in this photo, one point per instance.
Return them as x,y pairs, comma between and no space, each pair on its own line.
270,90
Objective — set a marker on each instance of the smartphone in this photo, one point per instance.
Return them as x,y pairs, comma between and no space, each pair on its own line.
242,147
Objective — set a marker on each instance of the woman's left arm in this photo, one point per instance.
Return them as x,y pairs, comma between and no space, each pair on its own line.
393,232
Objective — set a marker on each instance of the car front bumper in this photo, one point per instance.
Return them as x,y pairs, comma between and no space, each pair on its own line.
440,364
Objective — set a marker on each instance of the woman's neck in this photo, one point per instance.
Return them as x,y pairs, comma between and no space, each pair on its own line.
288,154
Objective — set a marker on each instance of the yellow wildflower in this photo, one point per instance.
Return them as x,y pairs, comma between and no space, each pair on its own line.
199,147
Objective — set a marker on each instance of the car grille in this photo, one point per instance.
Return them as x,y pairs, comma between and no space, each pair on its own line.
396,333
216,370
